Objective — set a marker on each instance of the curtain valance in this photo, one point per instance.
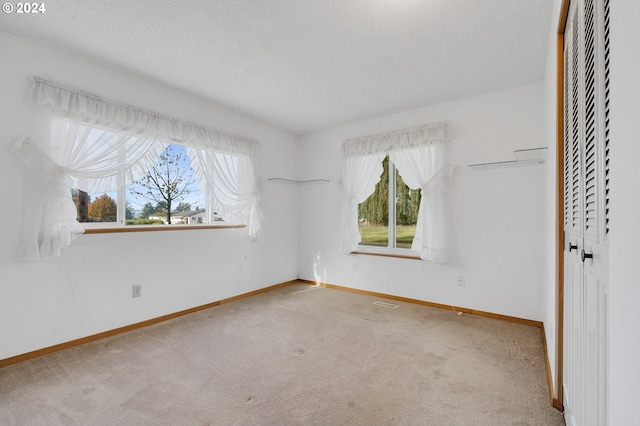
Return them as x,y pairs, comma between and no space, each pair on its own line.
394,141
168,129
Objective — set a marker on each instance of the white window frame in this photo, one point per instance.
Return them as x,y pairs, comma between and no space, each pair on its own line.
391,248
121,201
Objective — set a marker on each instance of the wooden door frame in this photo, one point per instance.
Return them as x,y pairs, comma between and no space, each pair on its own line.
562,23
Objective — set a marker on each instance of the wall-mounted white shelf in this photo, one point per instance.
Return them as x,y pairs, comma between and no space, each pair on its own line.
524,157
298,182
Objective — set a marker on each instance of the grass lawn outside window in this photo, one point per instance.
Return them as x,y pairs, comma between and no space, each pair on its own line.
378,235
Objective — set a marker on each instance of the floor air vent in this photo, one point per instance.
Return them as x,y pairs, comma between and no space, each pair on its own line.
386,304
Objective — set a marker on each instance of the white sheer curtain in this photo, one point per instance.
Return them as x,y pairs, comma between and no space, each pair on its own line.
82,152
95,154
418,155
361,174
47,205
230,183
423,168
99,146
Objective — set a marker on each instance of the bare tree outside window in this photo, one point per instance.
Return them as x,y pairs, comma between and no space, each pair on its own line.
169,181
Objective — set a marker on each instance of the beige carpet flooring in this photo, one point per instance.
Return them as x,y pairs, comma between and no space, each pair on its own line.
297,355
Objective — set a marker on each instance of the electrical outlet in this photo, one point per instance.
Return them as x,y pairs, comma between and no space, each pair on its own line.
136,290
460,280
355,267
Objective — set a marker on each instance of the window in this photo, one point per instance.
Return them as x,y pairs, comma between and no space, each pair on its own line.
395,227
167,194
418,154
104,149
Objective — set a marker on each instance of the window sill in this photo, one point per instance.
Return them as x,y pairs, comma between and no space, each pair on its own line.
155,228
412,255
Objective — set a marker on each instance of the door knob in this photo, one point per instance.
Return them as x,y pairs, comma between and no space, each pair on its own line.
586,255
572,247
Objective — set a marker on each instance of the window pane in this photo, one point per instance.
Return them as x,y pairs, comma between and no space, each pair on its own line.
168,193
407,205
375,218
95,207
373,214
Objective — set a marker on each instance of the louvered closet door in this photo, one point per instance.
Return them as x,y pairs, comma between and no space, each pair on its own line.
573,309
586,112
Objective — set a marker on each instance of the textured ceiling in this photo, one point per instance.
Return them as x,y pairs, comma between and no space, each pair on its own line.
305,65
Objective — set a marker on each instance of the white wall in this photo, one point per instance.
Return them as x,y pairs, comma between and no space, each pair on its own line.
624,280
88,289
496,218
549,284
